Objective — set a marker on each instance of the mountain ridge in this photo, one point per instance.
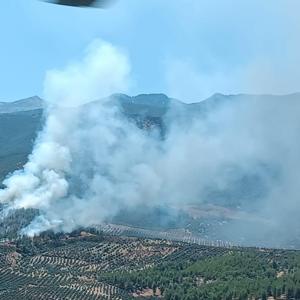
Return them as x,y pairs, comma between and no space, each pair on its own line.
21,120
26,104
145,99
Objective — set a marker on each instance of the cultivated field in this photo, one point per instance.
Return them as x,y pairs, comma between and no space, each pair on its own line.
92,265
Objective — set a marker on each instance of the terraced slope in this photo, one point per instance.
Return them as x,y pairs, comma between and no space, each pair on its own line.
89,265
67,267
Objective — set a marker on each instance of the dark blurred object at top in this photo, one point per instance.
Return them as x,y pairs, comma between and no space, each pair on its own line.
82,3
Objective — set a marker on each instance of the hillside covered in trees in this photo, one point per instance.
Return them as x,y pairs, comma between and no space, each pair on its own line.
87,264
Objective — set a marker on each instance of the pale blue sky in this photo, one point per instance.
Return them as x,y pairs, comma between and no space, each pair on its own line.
188,49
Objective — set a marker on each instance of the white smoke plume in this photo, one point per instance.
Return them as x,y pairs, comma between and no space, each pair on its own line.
43,183
90,161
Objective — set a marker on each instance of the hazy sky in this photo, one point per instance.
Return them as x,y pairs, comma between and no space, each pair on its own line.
188,49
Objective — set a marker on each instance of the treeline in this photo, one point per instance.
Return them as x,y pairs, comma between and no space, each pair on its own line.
13,221
249,274
49,239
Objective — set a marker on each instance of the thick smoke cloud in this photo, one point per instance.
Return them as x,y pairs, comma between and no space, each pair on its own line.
89,162
44,183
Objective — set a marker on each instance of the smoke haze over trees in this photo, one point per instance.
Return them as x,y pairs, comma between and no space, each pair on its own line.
89,161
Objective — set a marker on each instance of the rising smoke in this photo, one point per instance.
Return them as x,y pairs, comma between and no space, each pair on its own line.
89,161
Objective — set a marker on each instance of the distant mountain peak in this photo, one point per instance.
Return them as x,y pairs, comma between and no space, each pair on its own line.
158,99
26,104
